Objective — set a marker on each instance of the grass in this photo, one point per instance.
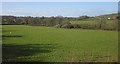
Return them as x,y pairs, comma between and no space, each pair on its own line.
47,44
92,21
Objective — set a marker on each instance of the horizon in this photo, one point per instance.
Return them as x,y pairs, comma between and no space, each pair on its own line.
65,9
56,16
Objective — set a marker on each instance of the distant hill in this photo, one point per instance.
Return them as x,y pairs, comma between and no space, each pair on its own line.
112,16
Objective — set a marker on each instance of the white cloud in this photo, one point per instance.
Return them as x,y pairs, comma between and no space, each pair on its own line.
18,11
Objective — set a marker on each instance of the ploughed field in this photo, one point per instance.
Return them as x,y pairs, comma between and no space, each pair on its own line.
48,44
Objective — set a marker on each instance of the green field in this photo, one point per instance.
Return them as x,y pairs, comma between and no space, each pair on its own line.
92,22
48,44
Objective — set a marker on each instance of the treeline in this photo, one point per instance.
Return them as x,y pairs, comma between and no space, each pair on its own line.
42,21
63,22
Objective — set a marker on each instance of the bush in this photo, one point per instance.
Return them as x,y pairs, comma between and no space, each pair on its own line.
67,26
76,25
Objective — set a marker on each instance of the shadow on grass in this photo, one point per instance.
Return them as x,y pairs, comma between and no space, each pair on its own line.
11,36
4,37
23,53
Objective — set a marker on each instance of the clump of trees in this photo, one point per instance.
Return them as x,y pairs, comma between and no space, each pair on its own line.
35,21
11,20
83,17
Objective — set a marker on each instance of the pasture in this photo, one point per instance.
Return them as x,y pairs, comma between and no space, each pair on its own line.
48,44
95,22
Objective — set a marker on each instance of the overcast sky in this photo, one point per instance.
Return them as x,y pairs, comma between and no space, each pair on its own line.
70,9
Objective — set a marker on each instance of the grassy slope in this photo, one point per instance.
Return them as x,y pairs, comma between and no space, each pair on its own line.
109,15
33,43
95,20
91,22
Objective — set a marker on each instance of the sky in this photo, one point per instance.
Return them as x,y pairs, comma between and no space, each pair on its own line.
60,0
69,9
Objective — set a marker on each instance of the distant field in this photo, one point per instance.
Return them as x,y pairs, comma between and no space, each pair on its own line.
47,44
92,21
95,24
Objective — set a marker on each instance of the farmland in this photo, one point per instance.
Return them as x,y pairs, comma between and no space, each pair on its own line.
48,44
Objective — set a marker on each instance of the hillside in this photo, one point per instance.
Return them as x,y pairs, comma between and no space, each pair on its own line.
113,16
